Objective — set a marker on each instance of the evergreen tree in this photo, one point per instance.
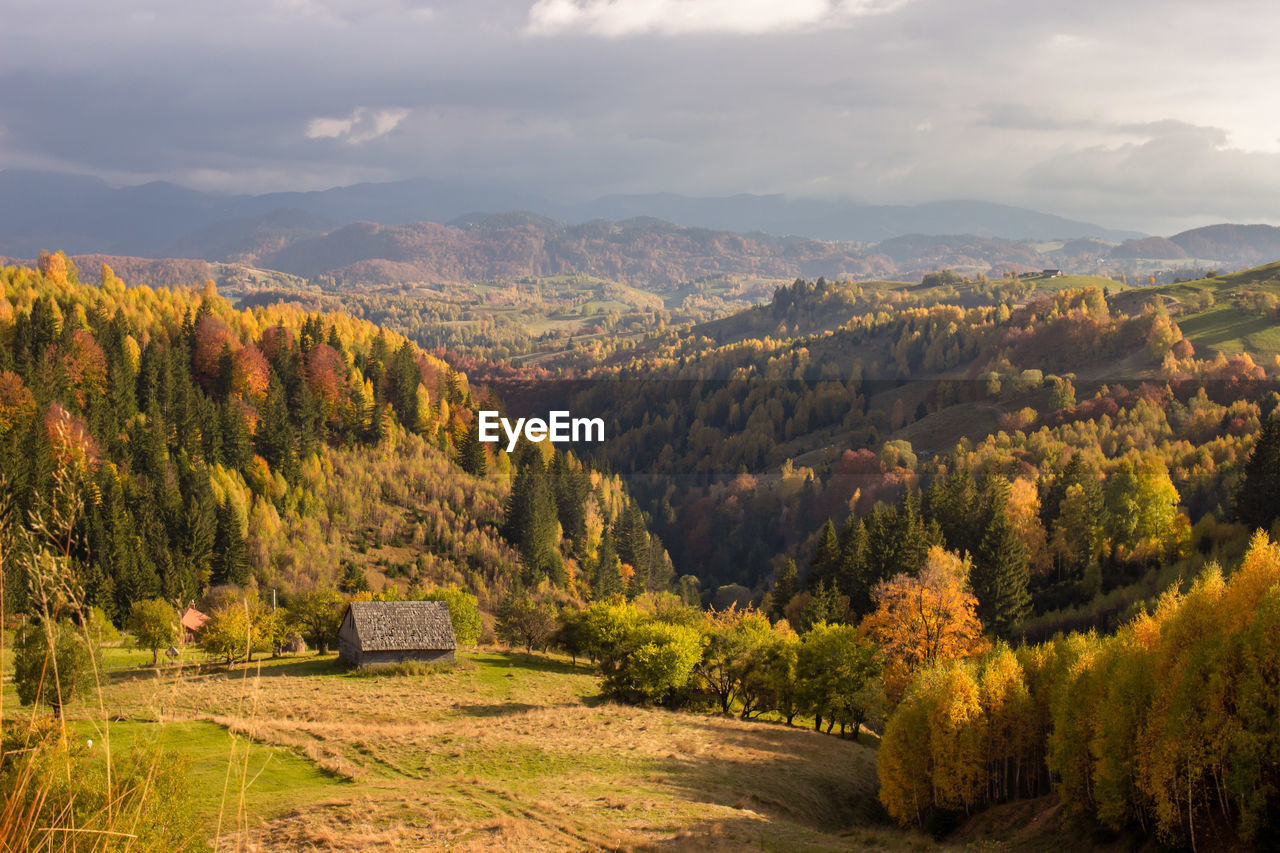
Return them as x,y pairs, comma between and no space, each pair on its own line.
1258,496
631,538
353,579
1000,577
470,453
274,440
572,484
608,570
825,562
531,524
851,572
784,589
230,558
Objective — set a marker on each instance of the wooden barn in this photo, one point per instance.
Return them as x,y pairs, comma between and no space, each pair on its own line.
376,632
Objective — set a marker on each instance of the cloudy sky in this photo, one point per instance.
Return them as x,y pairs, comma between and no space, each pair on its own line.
1147,114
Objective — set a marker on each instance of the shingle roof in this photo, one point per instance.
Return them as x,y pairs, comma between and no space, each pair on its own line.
384,626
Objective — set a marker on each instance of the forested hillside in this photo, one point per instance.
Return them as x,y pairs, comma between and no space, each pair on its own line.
1083,452
196,446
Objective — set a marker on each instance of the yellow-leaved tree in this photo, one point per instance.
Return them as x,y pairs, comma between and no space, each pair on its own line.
924,619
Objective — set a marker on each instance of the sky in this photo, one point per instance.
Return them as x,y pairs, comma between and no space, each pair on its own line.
1153,115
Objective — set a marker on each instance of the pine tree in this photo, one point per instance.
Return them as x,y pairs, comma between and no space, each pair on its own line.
608,570
571,483
470,452
784,589
825,562
851,571
353,579
1000,577
531,524
1258,497
274,440
230,563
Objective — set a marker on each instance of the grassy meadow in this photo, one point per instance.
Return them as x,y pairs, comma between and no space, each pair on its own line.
501,751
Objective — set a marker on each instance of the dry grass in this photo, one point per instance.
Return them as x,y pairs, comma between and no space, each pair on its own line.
513,752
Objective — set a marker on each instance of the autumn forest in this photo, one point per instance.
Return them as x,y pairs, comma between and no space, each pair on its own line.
1017,535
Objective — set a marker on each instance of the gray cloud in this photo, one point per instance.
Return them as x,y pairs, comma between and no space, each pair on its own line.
1085,109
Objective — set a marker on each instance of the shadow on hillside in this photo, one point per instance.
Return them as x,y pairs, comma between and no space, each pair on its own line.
298,666
502,709
790,774
535,662
267,668
749,832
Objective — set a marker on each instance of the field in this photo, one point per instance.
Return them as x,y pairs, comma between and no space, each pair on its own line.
1218,314
502,751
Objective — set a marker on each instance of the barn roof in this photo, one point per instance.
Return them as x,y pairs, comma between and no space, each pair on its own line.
383,626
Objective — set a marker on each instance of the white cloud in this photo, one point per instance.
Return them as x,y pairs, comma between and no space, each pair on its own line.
617,18
362,125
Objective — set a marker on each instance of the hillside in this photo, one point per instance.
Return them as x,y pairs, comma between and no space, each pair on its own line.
207,447
1232,314
650,252
507,749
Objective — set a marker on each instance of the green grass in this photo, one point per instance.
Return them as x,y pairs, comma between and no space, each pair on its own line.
1228,330
504,750
220,766
1223,328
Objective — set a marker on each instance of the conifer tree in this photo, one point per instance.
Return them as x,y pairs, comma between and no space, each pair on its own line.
825,562
230,561
531,523
1000,577
274,440
784,589
1258,496
608,570
470,452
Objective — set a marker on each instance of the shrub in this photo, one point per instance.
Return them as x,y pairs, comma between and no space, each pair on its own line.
464,612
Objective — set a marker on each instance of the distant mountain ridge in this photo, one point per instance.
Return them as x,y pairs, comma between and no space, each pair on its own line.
84,214
435,232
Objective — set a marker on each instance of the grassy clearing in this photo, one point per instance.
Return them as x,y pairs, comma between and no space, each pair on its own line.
504,750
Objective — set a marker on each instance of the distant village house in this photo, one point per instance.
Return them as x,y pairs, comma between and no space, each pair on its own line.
1052,273
192,621
376,632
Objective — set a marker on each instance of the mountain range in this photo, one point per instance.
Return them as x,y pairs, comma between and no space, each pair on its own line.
428,232
83,214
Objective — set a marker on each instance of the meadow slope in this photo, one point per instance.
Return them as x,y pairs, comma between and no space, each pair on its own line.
504,751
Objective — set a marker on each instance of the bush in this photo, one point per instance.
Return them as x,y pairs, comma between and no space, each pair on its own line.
464,612
657,662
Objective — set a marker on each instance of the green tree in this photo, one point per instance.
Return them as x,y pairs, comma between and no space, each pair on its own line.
1258,495
354,579
1000,577
470,452
825,562
53,663
531,524
607,580
318,612
784,589
464,612
154,624
228,633
838,672
657,662
523,621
